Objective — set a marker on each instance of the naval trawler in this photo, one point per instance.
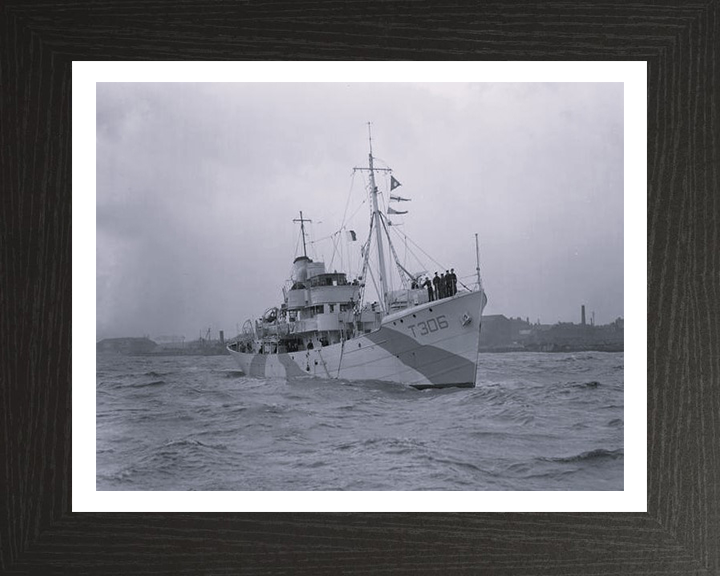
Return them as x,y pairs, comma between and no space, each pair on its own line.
324,328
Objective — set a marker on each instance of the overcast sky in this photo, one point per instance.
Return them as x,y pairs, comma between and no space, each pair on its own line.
198,184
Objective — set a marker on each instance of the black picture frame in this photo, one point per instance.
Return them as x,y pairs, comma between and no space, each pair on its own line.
681,530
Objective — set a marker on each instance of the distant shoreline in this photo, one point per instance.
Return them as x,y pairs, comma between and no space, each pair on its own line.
555,350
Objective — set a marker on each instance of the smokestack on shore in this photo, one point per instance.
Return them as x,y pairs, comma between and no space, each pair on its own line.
582,315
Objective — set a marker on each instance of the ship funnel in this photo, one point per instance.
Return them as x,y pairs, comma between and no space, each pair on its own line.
300,266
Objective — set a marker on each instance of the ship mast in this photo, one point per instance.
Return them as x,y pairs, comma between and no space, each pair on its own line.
302,230
378,228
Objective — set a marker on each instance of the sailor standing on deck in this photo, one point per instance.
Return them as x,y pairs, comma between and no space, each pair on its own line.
427,284
436,286
453,282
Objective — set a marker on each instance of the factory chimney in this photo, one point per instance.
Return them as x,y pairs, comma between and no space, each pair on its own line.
582,315
222,336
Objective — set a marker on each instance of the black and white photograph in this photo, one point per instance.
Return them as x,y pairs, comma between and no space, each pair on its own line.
360,286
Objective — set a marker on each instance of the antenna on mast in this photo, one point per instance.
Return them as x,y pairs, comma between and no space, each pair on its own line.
477,262
302,230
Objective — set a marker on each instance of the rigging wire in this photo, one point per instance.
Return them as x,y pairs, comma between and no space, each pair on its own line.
418,247
347,202
358,208
297,244
441,266
342,222
365,249
395,256
406,252
343,227
323,238
410,251
372,277
335,239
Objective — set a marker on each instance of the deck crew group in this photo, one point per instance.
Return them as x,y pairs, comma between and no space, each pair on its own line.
440,287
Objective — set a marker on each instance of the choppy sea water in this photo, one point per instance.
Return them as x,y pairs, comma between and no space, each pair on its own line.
535,421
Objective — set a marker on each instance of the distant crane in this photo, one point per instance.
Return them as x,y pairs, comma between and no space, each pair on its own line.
205,338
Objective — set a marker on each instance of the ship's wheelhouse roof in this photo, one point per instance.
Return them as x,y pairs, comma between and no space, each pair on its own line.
329,279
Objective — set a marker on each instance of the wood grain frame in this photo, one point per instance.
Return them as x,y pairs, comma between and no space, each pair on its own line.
680,534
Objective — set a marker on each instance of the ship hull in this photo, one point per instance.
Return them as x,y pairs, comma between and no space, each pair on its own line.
434,345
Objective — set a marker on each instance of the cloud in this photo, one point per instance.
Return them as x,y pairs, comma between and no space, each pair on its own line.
198,184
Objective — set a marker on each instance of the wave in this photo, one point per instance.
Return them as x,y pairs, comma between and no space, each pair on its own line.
457,463
518,414
590,384
190,442
519,468
386,445
598,454
145,384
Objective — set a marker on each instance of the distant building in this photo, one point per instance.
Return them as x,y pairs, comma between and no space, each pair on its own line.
566,336
496,331
500,333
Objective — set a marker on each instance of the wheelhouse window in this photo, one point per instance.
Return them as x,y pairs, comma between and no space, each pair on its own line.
334,279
